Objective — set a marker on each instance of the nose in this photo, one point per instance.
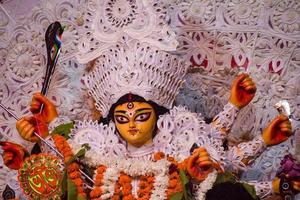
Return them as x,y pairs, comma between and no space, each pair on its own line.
131,124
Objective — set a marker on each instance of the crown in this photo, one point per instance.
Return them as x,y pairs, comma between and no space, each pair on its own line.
139,69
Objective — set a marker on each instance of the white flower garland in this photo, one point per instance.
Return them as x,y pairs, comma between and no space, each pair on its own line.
206,185
136,167
132,167
110,177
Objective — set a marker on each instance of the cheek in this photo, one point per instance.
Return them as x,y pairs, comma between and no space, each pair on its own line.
146,127
122,128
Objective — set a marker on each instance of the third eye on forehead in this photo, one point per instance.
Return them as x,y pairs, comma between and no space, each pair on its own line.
136,112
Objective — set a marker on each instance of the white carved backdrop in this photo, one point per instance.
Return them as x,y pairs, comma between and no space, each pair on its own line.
220,38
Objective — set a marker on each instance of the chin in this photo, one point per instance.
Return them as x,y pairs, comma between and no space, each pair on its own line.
136,144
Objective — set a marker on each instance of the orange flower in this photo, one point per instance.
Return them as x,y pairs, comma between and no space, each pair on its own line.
125,179
159,156
96,192
73,168
170,159
128,197
78,181
74,174
173,183
101,169
115,197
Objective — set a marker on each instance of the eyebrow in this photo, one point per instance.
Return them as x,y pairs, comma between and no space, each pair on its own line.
137,111
142,109
121,111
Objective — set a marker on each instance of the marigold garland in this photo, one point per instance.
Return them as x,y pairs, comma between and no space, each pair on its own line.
122,188
73,168
175,185
97,192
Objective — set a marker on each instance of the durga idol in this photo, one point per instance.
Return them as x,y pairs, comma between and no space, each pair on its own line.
143,145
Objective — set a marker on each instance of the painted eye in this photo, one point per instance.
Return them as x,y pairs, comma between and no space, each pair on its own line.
143,117
121,119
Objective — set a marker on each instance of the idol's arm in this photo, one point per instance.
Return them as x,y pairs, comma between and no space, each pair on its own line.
274,187
242,92
245,153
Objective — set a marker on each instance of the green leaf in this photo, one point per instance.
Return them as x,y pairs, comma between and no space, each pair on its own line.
79,154
177,196
86,146
184,181
183,178
64,183
72,190
64,130
250,189
225,177
80,198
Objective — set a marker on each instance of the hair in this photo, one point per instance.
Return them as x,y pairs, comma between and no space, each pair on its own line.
228,191
159,110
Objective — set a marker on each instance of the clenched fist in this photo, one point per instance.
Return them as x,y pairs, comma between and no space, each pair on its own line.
49,111
276,185
13,155
26,127
242,91
199,165
279,130
38,123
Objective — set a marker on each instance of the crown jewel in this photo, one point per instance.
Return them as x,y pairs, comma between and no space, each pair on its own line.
138,69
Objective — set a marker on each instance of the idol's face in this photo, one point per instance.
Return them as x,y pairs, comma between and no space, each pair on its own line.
135,121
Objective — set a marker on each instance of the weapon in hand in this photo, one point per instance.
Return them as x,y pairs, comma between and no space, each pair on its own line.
53,45
45,141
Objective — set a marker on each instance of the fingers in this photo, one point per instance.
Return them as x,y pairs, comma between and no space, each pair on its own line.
208,163
296,185
25,128
35,106
41,99
286,126
29,133
8,157
279,119
283,123
37,100
248,84
22,123
241,77
203,158
33,138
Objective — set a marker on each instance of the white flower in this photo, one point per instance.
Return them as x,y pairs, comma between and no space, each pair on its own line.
206,185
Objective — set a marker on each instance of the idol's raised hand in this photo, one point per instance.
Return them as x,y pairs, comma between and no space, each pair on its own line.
199,165
49,111
38,123
13,154
279,130
242,91
26,127
276,186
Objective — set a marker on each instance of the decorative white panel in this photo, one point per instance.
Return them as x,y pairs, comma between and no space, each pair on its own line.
220,38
